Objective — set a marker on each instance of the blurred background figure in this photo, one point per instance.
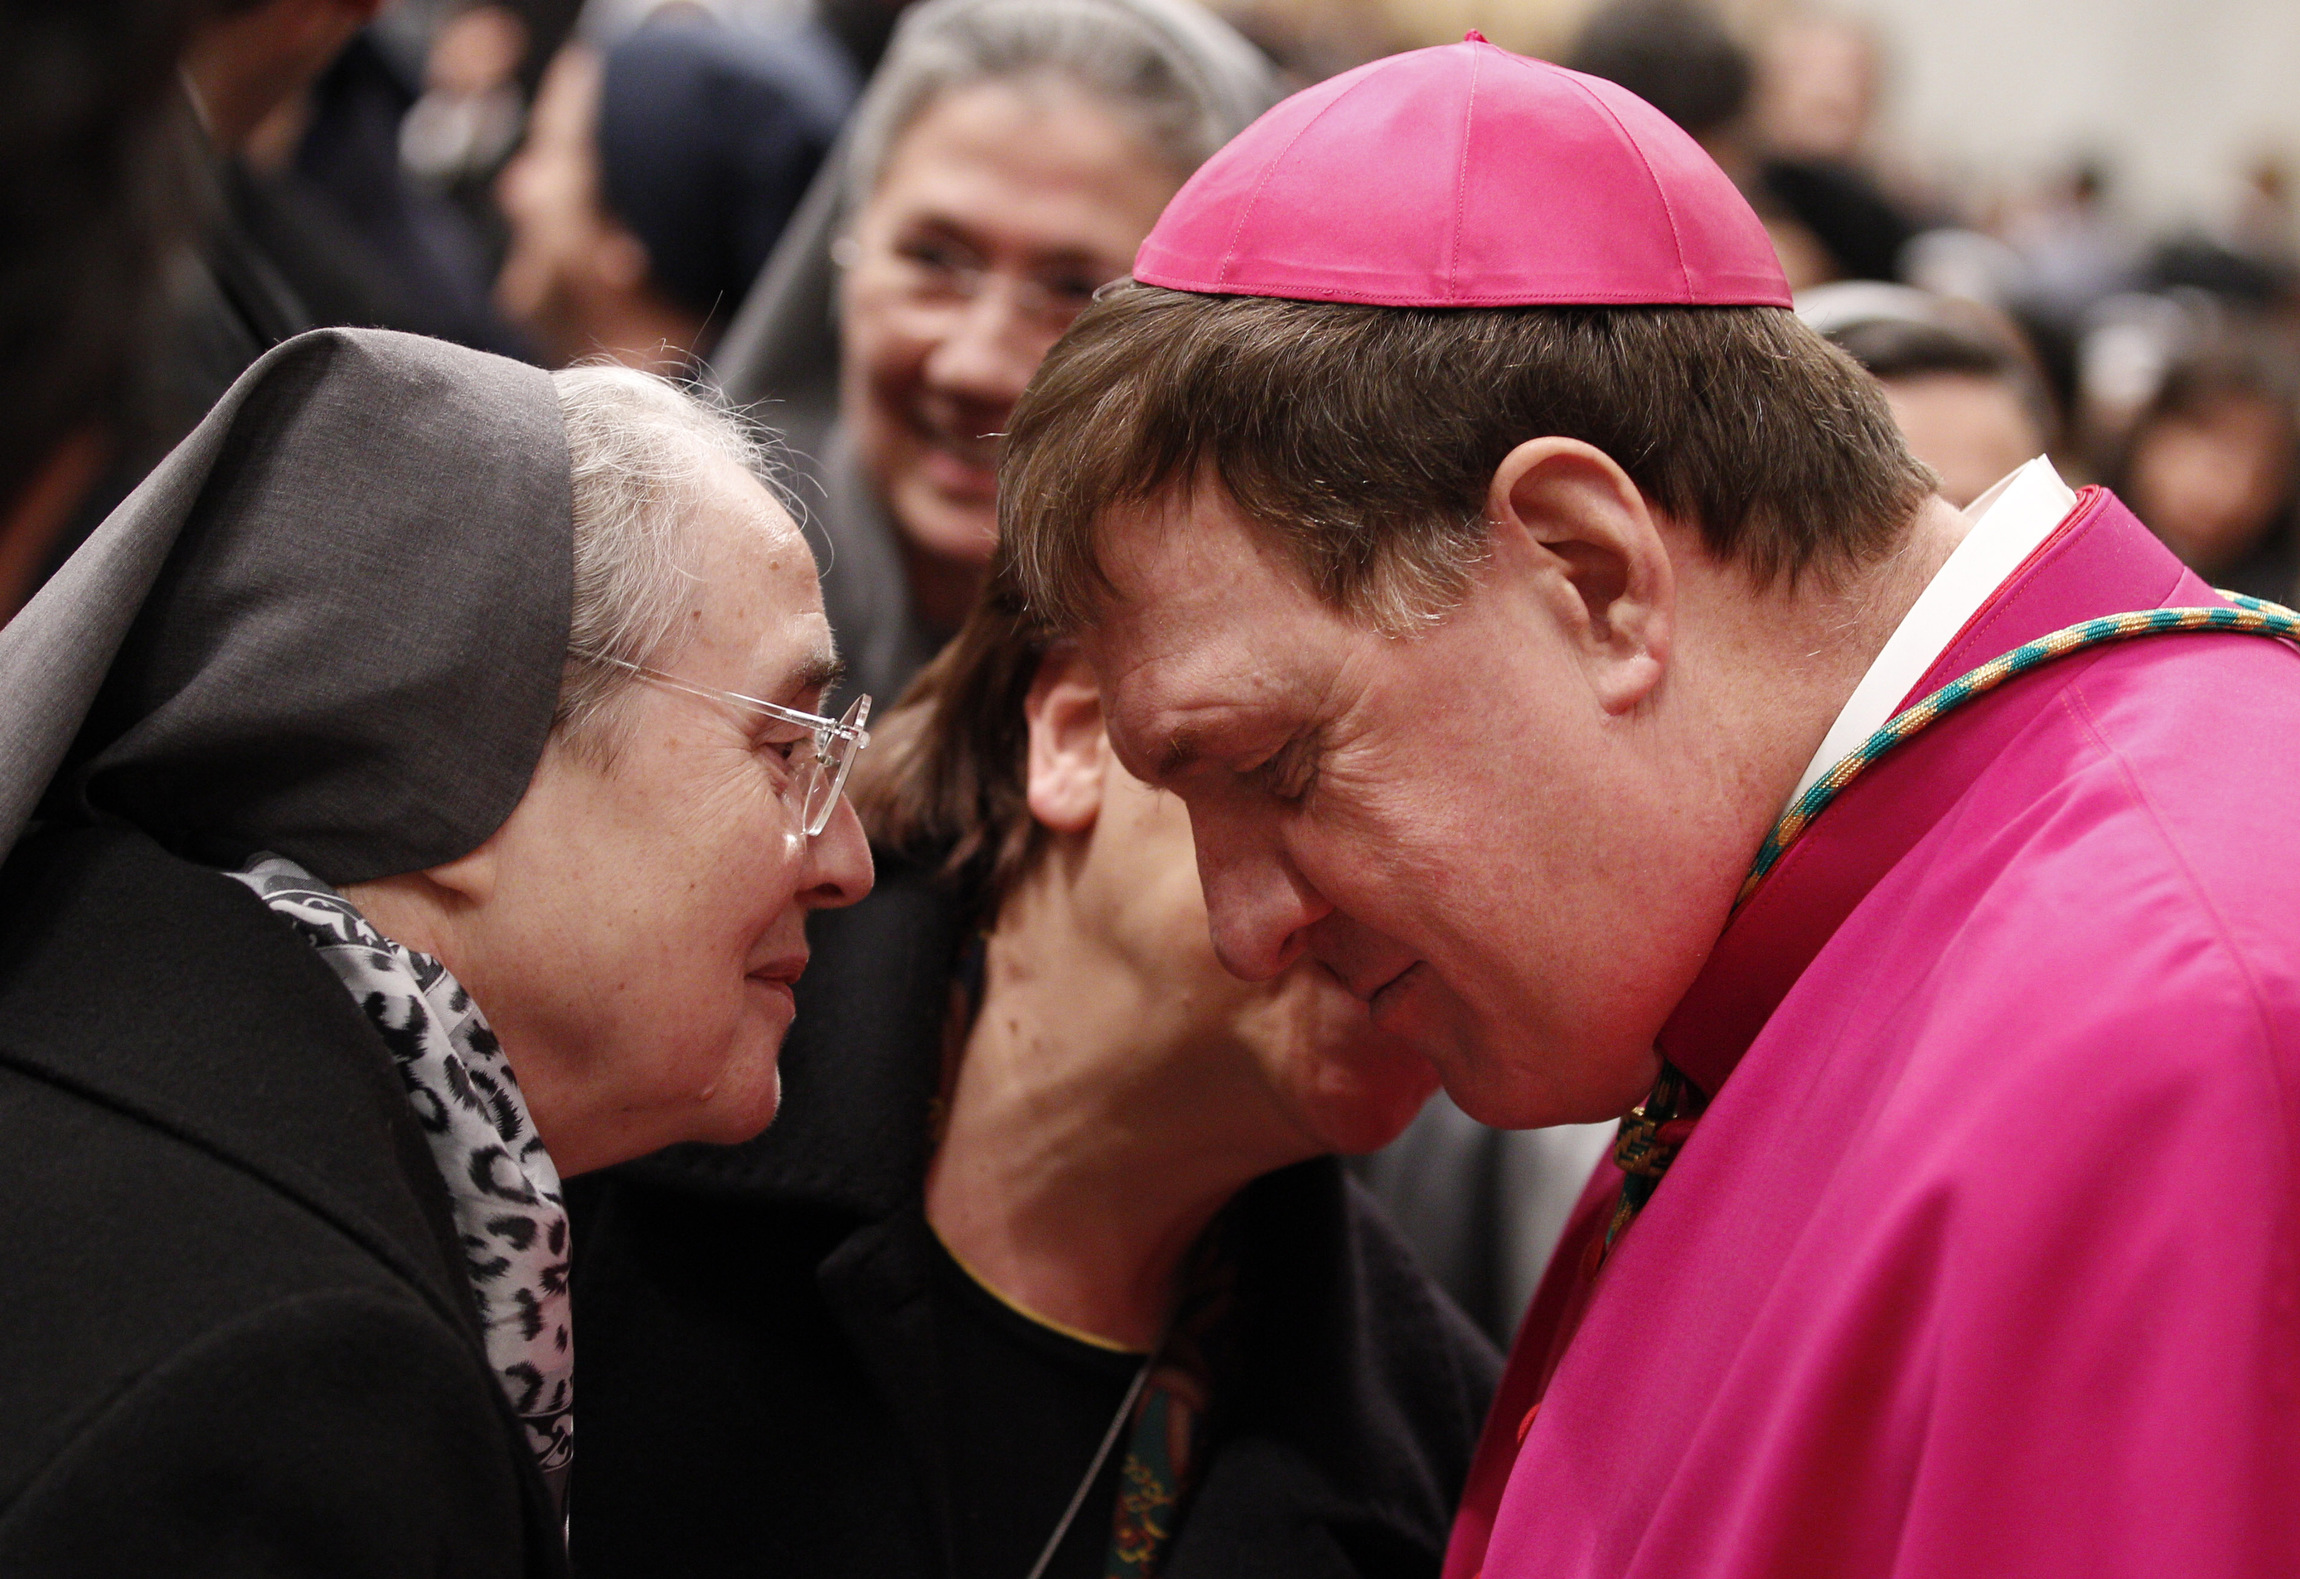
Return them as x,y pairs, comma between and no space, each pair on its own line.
228,301
2265,224
1829,217
864,28
2212,464
1962,384
305,218
858,29
1006,161
92,153
656,176
469,115
322,189
1817,83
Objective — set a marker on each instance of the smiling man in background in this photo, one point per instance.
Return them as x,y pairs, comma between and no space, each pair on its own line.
1458,519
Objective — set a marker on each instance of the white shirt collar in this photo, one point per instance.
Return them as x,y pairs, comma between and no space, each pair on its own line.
2009,521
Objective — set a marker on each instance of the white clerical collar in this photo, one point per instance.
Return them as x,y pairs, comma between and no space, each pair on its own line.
2009,521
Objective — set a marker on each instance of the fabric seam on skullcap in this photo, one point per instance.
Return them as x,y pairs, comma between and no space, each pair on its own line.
1270,171
1660,189
1461,182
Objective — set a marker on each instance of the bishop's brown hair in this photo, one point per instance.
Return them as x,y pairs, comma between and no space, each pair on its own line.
1365,438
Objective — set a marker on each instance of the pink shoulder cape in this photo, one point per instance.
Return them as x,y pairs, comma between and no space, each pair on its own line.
1984,1259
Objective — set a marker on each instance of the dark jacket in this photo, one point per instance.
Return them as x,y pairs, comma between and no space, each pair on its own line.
235,1336
759,1366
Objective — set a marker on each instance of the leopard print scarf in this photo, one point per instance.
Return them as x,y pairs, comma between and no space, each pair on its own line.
500,1180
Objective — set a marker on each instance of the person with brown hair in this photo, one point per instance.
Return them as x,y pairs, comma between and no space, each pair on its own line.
2213,462
1048,1262
1553,639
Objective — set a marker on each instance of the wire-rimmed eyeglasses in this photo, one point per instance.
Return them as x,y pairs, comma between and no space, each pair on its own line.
934,274
816,778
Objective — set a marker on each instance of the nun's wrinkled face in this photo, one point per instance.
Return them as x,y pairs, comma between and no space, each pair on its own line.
643,917
1003,206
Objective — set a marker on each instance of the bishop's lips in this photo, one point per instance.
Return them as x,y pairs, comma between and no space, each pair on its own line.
1373,990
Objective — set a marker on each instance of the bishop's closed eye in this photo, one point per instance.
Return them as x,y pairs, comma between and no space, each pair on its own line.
1290,772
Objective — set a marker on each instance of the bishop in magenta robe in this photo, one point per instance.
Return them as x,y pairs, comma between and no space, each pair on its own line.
1984,1258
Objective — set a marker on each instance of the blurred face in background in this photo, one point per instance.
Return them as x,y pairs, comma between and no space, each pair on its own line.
1003,205
2213,479
1816,88
575,278
1971,428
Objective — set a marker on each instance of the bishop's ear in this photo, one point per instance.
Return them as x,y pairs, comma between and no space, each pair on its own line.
1068,749
1578,538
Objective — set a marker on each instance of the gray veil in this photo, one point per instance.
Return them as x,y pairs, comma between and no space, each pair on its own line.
331,625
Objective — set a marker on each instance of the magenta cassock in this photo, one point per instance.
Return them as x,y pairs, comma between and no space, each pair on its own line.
1983,1260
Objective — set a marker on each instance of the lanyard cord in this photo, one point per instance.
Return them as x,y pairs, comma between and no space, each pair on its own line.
1101,1454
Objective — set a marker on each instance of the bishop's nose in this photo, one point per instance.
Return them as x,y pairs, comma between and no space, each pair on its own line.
1259,909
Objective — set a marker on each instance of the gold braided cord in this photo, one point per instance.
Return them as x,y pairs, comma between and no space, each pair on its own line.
2248,617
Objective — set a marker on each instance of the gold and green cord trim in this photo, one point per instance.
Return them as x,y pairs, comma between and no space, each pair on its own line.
2249,617
1653,1131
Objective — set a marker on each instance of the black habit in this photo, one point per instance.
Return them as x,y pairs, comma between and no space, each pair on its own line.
237,1336
238,1333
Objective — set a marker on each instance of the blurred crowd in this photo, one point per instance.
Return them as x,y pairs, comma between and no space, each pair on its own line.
752,192
558,180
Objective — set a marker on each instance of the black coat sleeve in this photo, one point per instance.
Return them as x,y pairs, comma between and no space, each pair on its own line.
333,1433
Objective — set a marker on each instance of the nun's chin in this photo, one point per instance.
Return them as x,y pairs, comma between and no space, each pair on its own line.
748,1094
739,1102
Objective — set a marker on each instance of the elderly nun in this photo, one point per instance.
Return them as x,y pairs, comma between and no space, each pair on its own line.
414,793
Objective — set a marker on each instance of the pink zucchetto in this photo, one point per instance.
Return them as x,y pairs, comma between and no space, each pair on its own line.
1465,176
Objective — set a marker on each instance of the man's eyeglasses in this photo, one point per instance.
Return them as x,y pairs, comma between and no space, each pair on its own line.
817,776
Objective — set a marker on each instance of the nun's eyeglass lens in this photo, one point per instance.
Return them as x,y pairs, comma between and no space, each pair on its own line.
824,777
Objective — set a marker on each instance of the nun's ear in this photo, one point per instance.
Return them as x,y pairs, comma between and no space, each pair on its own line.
1069,750
420,902
425,910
